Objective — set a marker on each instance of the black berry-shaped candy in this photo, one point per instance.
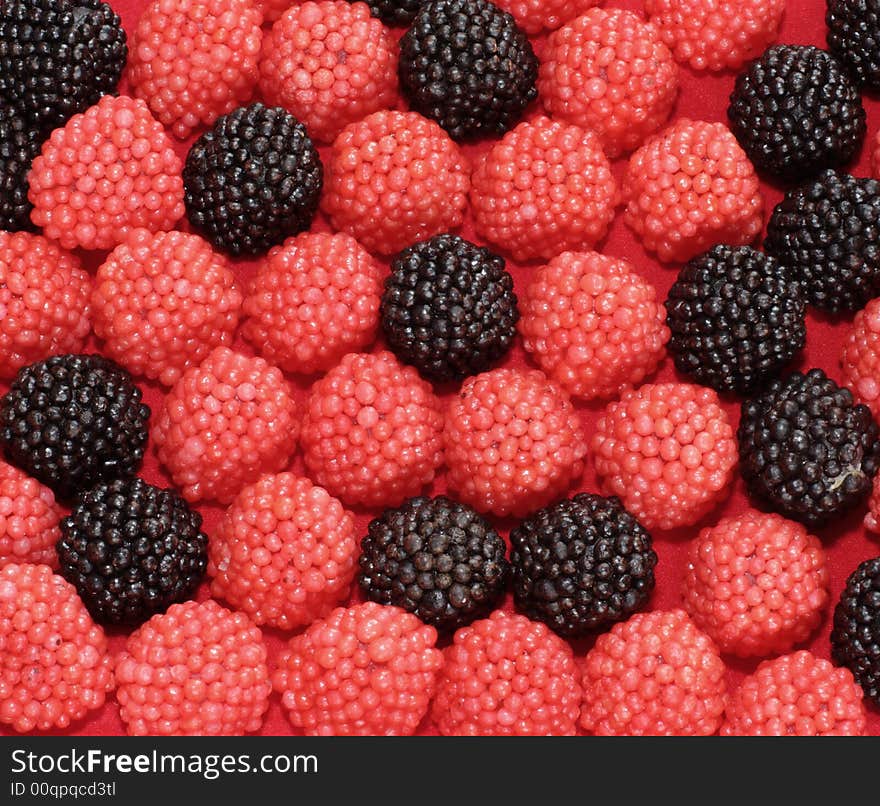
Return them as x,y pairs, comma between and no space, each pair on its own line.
854,37
467,65
855,635
436,558
795,111
394,12
827,232
252,180
736,316
449,308
806,449
20,142
581,564
73,420
132,550
58,57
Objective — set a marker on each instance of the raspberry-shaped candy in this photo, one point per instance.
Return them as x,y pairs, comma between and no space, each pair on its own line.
365,670
196,670
668,451
544,188
110,169
593,324
513,442
757,583
329,63
285,552
195,60
372,431
534,16
860,358
716,34
54,666
609,71
312,300
655,674
796,695
395,178
507,676
689,188
29,519
162,302
224,423
44,299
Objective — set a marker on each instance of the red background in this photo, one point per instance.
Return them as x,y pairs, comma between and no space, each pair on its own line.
702,96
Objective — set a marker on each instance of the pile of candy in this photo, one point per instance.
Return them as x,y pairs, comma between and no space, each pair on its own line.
325,401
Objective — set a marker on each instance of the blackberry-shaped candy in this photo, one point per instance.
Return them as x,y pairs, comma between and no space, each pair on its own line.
436,558
581,564
449,308
806,449
795,112
73,420
854,37
252,180
132,550
58,57
826,232
736,317
394,12
19,143
467,65
855,634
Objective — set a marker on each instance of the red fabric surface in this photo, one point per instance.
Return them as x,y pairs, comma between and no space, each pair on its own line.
702,96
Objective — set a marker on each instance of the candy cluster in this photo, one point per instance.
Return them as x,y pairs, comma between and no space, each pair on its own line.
437,379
